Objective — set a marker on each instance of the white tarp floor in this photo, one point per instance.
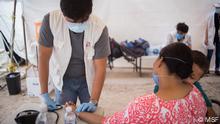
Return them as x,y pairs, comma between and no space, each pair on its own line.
121,81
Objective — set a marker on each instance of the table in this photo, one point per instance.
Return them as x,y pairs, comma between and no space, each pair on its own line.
9,119
138,63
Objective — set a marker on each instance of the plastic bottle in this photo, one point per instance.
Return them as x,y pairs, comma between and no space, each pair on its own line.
42,116
70,116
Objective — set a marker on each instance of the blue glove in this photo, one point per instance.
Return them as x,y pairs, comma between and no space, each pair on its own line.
50,103
58,97
86,107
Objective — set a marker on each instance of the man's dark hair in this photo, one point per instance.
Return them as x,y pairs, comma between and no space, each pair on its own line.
200,59
178,58
76,9
182,27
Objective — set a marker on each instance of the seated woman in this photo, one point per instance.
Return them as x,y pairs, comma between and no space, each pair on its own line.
175,102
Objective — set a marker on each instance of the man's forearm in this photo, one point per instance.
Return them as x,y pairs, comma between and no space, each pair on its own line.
44,58
43,76
100,71
96,90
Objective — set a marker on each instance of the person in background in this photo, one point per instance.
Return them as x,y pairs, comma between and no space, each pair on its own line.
175,102
73,50
212,37
180,35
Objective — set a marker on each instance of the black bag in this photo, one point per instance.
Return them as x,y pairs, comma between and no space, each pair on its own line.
27,117
30,116
115,52
141,43
115,49
133,52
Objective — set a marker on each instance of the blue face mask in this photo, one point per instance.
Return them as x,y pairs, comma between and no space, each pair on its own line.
76,27
155,78
179,36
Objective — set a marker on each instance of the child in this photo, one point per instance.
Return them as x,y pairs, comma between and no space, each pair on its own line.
201,67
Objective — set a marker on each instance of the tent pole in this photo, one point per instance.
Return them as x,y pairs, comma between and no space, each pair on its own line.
13,31
25,42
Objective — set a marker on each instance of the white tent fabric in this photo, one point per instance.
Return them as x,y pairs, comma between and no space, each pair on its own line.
6,8
33,12
131,19
153,19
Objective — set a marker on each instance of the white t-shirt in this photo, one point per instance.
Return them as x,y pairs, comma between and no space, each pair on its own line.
171,38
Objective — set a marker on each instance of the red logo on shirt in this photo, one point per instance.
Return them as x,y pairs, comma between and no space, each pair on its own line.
88,44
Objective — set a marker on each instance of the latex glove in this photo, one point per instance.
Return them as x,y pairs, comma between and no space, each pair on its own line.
86,107
58,96
51,105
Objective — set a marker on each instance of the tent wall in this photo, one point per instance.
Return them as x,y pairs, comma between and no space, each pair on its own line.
33,12
154,19
131,19
6,10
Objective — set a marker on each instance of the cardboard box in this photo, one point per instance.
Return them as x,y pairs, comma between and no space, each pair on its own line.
33,86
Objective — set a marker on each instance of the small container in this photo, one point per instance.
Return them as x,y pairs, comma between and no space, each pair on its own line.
70,116
13,83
